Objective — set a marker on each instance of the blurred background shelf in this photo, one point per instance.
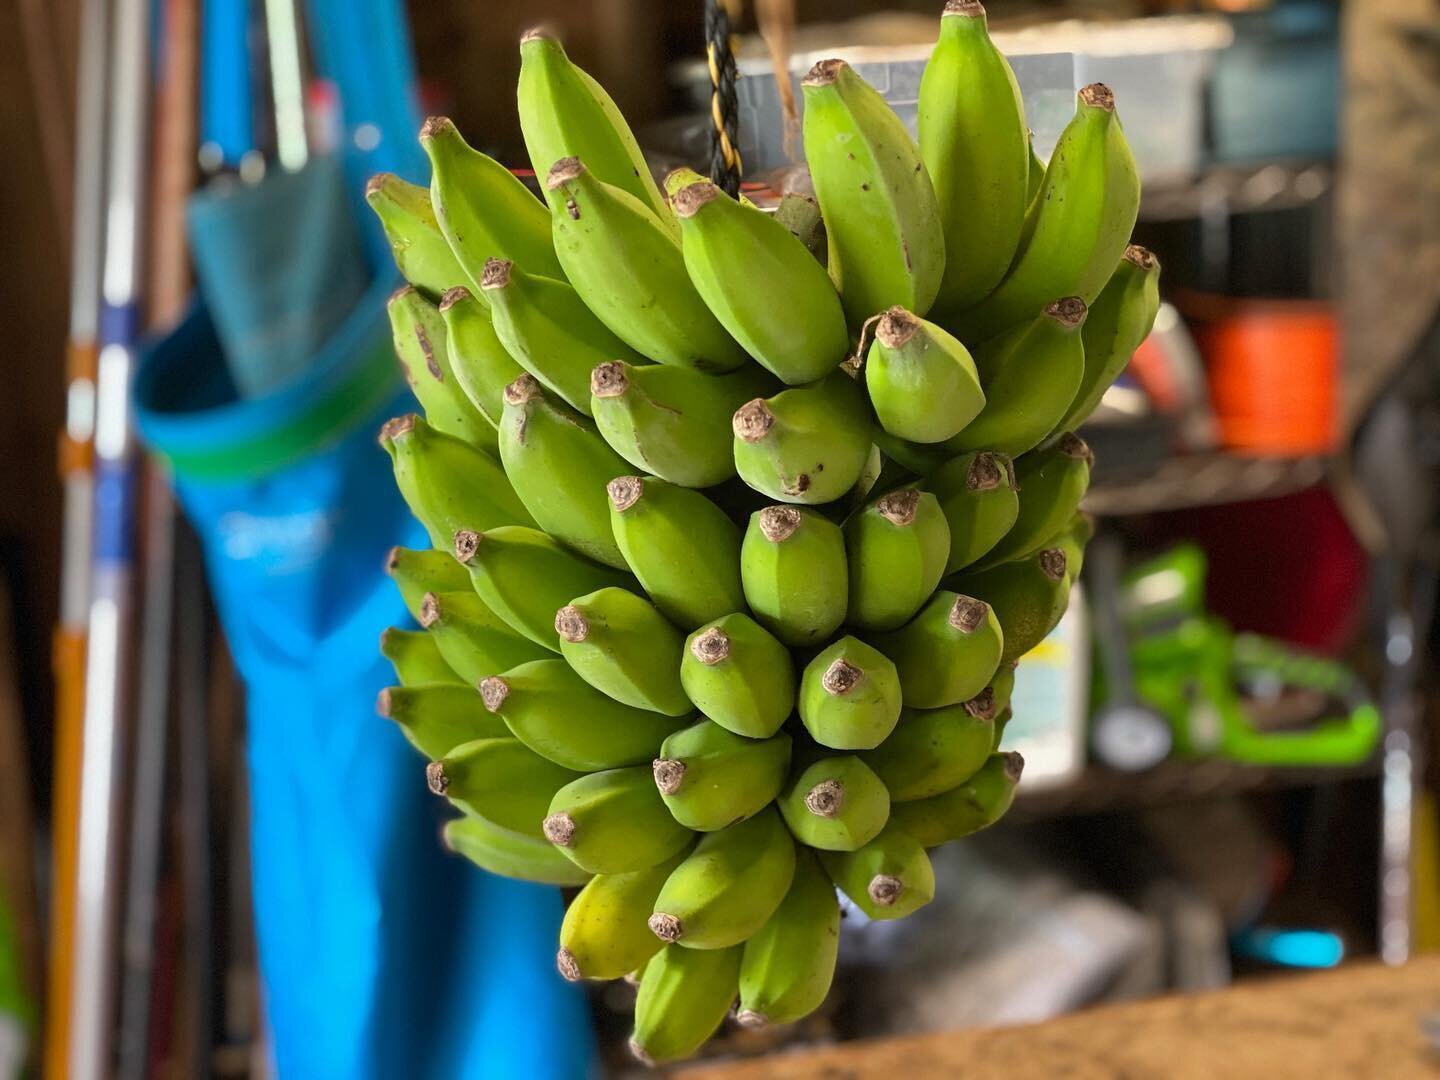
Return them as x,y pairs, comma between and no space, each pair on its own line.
1237,189
1193,480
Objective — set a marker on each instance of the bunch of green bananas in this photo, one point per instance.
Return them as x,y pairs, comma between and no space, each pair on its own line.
735,550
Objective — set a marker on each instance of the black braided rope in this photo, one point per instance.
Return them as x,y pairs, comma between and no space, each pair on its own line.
725,164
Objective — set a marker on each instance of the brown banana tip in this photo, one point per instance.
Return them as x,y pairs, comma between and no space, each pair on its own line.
559,829
669,775
823,73
540,32
711,647
496,273
609,380
751,1019
525,388
1068,311
1014,765
383,704
899,507
429,610
375,186
392,559
625,492
826,798
689,200
667,928
435,125
841,677
982,705
638,1053
1052,562
563,171
967,614
393,428
885,889
970,9
984,474
493,692
752,421
779,523
466,544
1009,471
1073,446
1099,96
571,625
567,965
896,327
452,296
1142,257
400,294
435,777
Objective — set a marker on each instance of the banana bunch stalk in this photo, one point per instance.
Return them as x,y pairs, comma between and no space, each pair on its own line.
736,545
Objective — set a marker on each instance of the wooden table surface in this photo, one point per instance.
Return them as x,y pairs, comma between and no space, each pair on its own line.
1363,1021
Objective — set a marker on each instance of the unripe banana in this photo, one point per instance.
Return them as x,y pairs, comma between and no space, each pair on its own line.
613,822
793,570
809,444
474,641
1052,481
603,934
559,466
484,212
419,336
978,496
992,705
670,421
849,696
947,653
447,483
1028,595
421,254
727,888
416,573
566,113
762,284
738,675
896,549
931,751
1031,374
438,717
683,999
974,805
680,545
478,357
800,214
548,330
1119,320
1034,179
502,780
1079,226
416,660
1071,539
976,149
525,576
710,777
835,804
888,878
561,717
628,269
510,854
881,218
788,966
622,646
922,381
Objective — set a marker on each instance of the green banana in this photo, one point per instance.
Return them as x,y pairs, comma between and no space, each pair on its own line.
809,444
510,854
793,571
484,212
680,545
1079,226
975,146
560,716
762,284
932,751
548,330
896,549
1120,319
670,421
478,357
978,495
420,343
800,214
438,717
474,641
416,660
888,878
971,806
559,466
628,269
1000,723
849,696
1071,539
416,573
994,701
683,999
1035,179
622,646
613,822
1031,374
739,675
566,113
1028,597
501,780
787,967
947,653
421,254
727,888
922,381
835,804
525,576
710,777
603,934
881,218
1052,481
447,483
